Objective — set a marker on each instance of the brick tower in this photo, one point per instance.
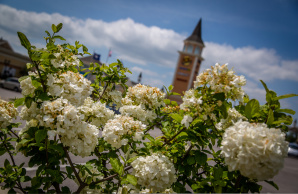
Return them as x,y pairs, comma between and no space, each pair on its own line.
189,63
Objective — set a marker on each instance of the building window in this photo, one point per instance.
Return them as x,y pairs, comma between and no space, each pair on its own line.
184,48
189,49
197,51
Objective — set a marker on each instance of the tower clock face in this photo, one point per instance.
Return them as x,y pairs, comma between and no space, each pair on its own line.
186,60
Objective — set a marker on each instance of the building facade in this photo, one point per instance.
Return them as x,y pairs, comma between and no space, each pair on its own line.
12,64
188,64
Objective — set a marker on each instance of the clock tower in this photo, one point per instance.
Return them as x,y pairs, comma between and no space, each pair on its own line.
189,63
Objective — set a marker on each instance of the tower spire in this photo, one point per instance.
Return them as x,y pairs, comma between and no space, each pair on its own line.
196,35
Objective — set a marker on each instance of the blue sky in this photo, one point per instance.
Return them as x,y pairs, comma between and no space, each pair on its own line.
259,39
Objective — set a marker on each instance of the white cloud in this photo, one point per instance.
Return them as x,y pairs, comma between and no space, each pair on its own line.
152,47
254,63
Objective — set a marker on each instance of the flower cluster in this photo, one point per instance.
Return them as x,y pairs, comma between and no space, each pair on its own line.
7,112
33,112
255,150
27,87
69,85
190,100
79,136
64,59
221,79
151,97
117,131
139,113
96,112
233,117
155,172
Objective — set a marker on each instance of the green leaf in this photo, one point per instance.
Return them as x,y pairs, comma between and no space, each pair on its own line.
23,77
265,86
28,101
59,37
116,165
176,117
35,83
48,33
24,40
54,28
201,158
270,118
219,96
40,135
18,102
132,179
167,101
59,27
289,111
170,88
44,97
285,96
131,159
150,137
273,184
218,172
191,160
252,108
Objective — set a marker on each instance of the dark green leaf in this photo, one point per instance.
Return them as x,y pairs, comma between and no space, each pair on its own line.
201,158
24,40
59,27
191,160
40,135
273,184
218,172
28,101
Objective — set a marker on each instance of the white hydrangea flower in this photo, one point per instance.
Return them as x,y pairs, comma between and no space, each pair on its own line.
255,150
30,113
189,100
155,172
151,97
187,119
139,113
96,112
27,87
116,129
221,79
7,112
74,132
69,85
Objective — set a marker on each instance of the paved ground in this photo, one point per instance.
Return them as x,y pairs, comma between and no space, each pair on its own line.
287,179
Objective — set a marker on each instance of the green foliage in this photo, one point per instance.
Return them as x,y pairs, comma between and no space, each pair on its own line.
191,148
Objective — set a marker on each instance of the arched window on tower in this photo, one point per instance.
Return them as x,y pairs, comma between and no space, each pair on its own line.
189,48
197,50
